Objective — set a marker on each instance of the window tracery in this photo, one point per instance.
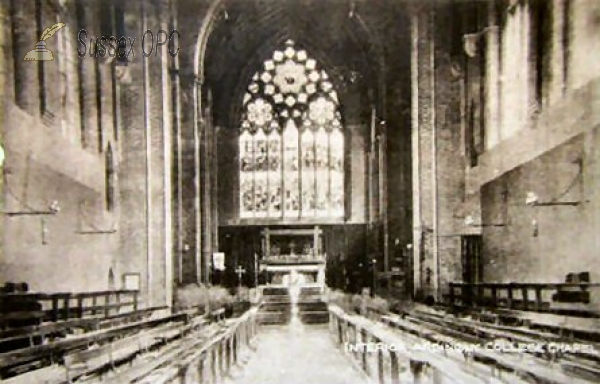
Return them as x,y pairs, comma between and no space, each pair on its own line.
291,142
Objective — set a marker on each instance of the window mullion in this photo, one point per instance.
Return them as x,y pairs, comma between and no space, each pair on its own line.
299,156
254,175
268,166
329,175
315,176
283,165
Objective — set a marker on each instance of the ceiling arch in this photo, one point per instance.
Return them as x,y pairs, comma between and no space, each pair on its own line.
246,32
266,52
202,39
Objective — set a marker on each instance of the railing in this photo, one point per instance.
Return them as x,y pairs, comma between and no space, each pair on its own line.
391,364
65,306
212,362
541,297
292,259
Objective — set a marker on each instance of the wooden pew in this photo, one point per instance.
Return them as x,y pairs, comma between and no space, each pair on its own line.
210,355
28,336
217,314
102,349
55,350
538,297
96,358
53,374
528,366
583,361
105,355
65,305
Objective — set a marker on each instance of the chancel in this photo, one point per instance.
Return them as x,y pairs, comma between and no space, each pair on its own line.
284,191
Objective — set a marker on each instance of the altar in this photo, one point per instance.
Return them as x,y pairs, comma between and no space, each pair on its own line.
293,257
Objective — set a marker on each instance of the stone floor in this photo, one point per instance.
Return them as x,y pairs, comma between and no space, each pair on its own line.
297,354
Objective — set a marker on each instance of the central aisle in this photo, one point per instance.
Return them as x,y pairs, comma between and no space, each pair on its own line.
298,354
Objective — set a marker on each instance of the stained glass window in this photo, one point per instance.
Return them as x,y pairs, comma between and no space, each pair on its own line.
291,144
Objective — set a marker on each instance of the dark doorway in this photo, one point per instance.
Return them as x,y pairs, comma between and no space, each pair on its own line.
471,258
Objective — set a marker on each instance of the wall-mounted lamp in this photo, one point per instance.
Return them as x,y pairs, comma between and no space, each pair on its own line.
456,70
512,5
532,200
470,44
471,40
374,264
426,229
53,209
470,222
122,72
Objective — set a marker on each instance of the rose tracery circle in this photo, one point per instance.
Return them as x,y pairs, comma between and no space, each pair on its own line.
290,77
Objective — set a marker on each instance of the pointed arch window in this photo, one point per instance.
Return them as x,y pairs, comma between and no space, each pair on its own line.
109,179
291,143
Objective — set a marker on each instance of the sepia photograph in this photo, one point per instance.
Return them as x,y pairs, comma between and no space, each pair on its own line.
299,191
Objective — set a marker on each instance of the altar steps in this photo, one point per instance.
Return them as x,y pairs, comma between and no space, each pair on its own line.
276,306
314,317
273,318
311,307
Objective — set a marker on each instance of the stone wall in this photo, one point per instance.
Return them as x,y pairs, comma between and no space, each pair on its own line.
50,157
543,243
74,124
553,153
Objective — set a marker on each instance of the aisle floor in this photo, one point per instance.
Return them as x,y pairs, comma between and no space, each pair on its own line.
298,354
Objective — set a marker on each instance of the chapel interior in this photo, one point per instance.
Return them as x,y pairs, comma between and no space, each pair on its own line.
428,165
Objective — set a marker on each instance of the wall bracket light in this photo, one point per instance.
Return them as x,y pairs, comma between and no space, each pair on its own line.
96,232
53,209
352,9
532,200
470,222
471,40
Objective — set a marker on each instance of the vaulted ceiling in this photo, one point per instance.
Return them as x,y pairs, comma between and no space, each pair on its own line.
350,39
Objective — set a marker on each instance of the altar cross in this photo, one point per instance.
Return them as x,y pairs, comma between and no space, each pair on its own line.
239,270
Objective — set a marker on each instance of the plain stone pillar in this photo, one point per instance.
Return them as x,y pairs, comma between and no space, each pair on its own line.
27,87
424,153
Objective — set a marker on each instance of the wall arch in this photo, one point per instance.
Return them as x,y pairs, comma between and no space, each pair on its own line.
110,178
